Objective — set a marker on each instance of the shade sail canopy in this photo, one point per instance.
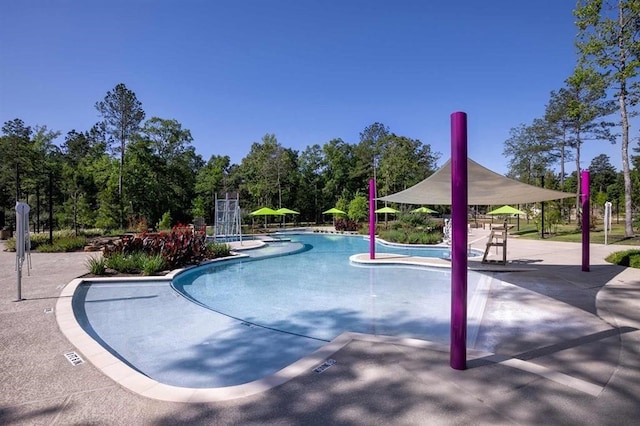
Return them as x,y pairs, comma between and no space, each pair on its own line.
265,211
505,210
333,211
285,210
387,210
485,187
423,210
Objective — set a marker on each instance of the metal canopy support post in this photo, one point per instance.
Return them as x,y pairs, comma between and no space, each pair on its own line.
586,220
372,219
459,208
23,244
542,211
607,221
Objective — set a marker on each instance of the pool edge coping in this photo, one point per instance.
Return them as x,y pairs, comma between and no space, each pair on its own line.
137,382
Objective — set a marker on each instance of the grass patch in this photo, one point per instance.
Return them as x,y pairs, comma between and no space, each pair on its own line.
569,233
629,258
63,241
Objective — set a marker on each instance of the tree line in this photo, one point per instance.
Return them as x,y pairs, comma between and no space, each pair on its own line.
594,105
126,171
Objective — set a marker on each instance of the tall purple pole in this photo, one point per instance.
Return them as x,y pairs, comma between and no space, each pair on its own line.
372,219
586,220
459,208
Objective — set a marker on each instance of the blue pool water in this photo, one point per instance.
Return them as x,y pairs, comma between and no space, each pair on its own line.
228,323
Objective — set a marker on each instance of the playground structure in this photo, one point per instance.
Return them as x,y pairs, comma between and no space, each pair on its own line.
227,219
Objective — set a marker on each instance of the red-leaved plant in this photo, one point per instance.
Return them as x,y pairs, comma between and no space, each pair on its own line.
179,247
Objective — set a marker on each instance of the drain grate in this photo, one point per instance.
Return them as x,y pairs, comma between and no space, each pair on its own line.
74,358
328,363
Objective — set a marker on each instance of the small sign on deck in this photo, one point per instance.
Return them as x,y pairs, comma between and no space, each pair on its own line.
322,367
74,358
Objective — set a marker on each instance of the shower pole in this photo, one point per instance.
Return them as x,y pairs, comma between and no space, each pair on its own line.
459,208
372,219
586,220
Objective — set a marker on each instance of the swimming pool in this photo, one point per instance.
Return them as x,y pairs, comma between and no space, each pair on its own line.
233,322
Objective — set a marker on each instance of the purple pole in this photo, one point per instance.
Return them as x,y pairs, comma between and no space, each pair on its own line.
459,208
586,219
372,219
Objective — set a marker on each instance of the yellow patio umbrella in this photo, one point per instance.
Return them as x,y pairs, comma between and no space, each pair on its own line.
506,210
386,210
334,211
423,210
265,211
284,212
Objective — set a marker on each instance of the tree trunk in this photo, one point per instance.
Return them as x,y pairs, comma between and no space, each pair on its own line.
120,197
622,99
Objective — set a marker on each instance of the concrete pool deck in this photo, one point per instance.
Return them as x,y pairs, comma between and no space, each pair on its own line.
549,324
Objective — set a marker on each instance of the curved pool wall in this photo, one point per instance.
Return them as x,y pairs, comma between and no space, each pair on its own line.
244,327
318,293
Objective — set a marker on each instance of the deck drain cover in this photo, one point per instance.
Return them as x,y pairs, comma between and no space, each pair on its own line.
74,358
328,363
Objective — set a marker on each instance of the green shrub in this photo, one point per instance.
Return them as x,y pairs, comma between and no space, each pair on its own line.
216,250
625,258
39,239
396,225
393,235
62,244
116,261
71,243
49,248
92,232
152,264
114,232
414,220
412,237
63,241
10,244
131,263
434,237
358,208
165,222
97,265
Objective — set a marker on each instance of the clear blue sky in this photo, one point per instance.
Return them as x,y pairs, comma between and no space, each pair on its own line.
307,71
